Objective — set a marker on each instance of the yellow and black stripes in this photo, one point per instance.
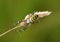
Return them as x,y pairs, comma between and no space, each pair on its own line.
34,18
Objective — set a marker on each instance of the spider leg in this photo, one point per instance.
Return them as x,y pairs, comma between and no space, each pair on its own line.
22,29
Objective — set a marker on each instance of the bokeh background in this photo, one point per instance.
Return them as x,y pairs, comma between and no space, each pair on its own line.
46,31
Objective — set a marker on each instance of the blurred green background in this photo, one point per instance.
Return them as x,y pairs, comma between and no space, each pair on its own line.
46,31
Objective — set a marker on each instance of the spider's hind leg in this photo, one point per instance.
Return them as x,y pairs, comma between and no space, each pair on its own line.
22,29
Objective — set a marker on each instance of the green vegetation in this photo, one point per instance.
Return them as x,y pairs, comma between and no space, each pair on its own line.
46,31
